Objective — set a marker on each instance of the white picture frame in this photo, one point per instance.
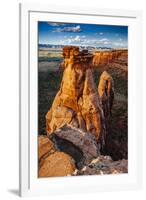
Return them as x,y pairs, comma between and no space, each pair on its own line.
30,185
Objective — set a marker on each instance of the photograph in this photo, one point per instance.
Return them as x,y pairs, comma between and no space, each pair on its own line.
82,99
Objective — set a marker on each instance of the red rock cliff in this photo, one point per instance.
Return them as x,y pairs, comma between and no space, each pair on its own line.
106,57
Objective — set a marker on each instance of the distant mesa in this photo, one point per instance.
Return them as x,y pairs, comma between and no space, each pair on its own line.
58,46
105,57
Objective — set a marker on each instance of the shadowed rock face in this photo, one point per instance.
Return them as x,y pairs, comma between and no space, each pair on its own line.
69,148
77,102
103,165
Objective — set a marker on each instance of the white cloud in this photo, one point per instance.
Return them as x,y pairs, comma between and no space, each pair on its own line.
69,40
73,29
76,39
103,40
80,40
106,43
55,24
101,33
120,44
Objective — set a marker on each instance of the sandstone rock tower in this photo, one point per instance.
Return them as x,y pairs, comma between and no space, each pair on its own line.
106,92
77,102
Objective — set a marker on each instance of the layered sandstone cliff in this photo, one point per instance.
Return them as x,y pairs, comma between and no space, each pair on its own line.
105,57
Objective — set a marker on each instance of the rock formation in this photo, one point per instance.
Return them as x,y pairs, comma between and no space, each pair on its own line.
106,92
85,141
106,57
77,122
57,164
52,162
77,102
45,146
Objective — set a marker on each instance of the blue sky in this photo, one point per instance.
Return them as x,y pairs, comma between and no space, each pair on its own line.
83,34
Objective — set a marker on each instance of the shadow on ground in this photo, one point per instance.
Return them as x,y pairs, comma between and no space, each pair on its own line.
14,191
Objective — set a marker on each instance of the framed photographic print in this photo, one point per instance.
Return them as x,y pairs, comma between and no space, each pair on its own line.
80,100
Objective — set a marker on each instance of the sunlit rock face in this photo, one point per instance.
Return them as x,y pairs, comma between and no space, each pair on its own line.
106,57
51,162
46,147
57,164
77,102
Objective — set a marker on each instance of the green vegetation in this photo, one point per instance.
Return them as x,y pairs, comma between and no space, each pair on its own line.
48,85
49,59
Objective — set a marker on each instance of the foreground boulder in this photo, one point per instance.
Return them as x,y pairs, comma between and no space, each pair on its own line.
57,164
45,146
84,141
53,163
77,102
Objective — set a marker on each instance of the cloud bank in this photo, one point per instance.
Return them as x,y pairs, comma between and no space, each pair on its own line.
73,29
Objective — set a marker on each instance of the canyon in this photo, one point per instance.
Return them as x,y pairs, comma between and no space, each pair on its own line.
79,133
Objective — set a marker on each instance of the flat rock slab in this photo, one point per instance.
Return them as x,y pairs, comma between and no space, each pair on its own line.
85,141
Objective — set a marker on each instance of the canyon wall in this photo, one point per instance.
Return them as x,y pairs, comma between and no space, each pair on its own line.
77,124
105,57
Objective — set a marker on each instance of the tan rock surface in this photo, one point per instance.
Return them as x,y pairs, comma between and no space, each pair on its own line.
106,57
45,146
57,164
106,92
